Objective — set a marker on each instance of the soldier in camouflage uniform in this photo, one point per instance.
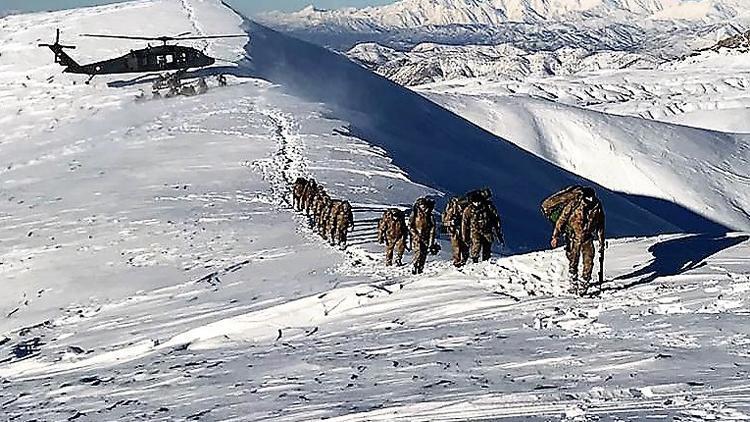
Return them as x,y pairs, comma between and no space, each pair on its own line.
423,230
298,190
309,196
340,220
578,215
202,86
480,225
322,208
452,217
393,232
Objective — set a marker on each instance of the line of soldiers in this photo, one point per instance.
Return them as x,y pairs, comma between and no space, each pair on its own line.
331,218
394,232
472,222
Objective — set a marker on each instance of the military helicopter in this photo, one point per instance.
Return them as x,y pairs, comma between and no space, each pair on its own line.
160,58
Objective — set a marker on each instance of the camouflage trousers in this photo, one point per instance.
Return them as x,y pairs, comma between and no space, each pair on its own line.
399,246
338,229
460,250
577,250
419,248
480,246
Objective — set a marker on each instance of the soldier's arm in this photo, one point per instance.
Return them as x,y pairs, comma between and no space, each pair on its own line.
498,226
448,217
562,221
433,231
381,230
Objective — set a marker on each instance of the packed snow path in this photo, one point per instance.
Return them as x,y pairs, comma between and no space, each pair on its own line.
152,270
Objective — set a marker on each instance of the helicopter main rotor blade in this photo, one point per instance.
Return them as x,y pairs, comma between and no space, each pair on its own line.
121,37
206,37
165,39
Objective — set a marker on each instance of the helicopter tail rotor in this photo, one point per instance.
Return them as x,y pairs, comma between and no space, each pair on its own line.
57,48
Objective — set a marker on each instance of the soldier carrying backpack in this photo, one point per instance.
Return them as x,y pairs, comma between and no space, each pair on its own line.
577,216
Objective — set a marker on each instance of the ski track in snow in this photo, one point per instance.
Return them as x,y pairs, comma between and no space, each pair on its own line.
229,307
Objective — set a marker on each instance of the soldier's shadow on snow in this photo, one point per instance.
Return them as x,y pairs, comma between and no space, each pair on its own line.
678,256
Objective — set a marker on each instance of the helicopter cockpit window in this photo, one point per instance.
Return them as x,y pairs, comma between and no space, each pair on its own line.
170,58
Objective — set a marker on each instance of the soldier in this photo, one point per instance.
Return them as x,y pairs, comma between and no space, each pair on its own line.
452,222
423,230
202,86
322,207
173,92
496,225
340,222
578,215
222,79
298,190
187,90
309,195
476,228
393,232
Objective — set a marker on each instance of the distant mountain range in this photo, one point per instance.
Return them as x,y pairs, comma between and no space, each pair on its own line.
662,27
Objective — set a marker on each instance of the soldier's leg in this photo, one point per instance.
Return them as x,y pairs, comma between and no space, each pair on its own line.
457,248
464,252
323,226
335,231
400,248
587,253
420,256
475,249
486,248
574,256
389,253
343,232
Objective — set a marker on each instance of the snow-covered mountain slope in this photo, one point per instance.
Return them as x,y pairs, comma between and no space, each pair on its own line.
707,90
152,269
402,123
702,170
430,63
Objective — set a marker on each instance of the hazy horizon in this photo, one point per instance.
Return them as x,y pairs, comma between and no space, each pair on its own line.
249,7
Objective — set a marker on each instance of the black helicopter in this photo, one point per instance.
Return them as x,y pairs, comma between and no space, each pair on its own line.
165,57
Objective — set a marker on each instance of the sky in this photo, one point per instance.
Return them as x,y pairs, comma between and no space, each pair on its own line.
249,7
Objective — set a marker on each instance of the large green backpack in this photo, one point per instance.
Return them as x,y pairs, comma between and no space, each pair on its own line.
553,206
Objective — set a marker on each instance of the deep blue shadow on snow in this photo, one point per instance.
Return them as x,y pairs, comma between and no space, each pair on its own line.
677,256
442,150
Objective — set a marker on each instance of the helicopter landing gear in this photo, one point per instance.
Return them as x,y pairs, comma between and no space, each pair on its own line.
88,81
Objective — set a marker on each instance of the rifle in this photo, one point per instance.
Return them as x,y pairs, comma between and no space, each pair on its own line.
601,263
